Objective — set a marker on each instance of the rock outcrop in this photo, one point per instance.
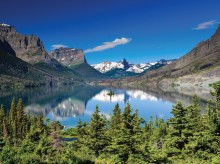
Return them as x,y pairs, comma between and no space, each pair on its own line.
68,56
75,60
24,58
29,48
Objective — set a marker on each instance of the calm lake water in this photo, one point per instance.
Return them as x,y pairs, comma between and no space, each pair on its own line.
68,104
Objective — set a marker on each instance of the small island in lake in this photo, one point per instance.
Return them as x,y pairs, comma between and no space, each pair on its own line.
110,93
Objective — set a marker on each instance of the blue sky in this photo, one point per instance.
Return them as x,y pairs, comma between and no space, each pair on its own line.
138,30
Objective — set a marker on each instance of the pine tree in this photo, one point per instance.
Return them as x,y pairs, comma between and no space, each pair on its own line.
80,135
194,125
214,110
139,151
148,129
97,137
116,118
20,118
208,144
176,139
13,112
120,147
13,121
40,124
193,117
114,129
2,115
5,129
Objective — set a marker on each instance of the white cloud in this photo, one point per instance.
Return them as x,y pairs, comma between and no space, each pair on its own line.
56,46
205,25
108,45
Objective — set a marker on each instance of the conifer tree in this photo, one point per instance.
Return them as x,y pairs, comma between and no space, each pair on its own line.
80,134
20,118
2,115
97,136
194,126
139,150
40,124
5,129
116,118
214,110
13,112
148,129
176,139
193,117
120,147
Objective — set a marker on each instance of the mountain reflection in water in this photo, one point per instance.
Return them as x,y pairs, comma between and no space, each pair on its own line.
124,96
68,104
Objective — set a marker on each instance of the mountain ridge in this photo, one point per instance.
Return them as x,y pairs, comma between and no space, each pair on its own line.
74,59
24,53
200,67
124,68
129,67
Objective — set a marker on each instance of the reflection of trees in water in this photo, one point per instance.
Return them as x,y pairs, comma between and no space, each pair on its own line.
71,102
56,101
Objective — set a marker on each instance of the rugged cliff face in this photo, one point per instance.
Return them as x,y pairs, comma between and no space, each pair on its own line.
68,56
75,60
29,48
18,50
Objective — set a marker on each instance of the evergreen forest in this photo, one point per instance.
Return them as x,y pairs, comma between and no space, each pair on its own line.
190,136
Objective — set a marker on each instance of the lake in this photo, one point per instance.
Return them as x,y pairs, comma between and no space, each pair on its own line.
69,104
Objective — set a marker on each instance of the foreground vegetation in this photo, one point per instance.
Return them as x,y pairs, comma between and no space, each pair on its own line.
188,137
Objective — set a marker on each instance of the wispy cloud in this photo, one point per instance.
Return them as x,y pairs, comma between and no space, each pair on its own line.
205,25
108,45
56,46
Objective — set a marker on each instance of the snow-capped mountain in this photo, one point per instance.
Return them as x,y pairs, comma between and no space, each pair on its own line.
129,67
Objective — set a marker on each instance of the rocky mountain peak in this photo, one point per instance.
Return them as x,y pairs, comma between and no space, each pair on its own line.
218,29
216,37
126,64
7,28
27,47
68,56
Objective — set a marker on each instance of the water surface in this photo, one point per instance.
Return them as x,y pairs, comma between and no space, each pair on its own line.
68,104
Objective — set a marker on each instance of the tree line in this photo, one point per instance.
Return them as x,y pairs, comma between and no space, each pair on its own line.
190,136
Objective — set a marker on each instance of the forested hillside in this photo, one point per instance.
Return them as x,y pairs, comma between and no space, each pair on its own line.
189,137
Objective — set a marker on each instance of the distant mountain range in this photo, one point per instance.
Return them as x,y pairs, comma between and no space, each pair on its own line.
124,68
24,62
198,68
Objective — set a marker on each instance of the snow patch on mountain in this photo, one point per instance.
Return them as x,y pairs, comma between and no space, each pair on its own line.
3,24
128,67
107,66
